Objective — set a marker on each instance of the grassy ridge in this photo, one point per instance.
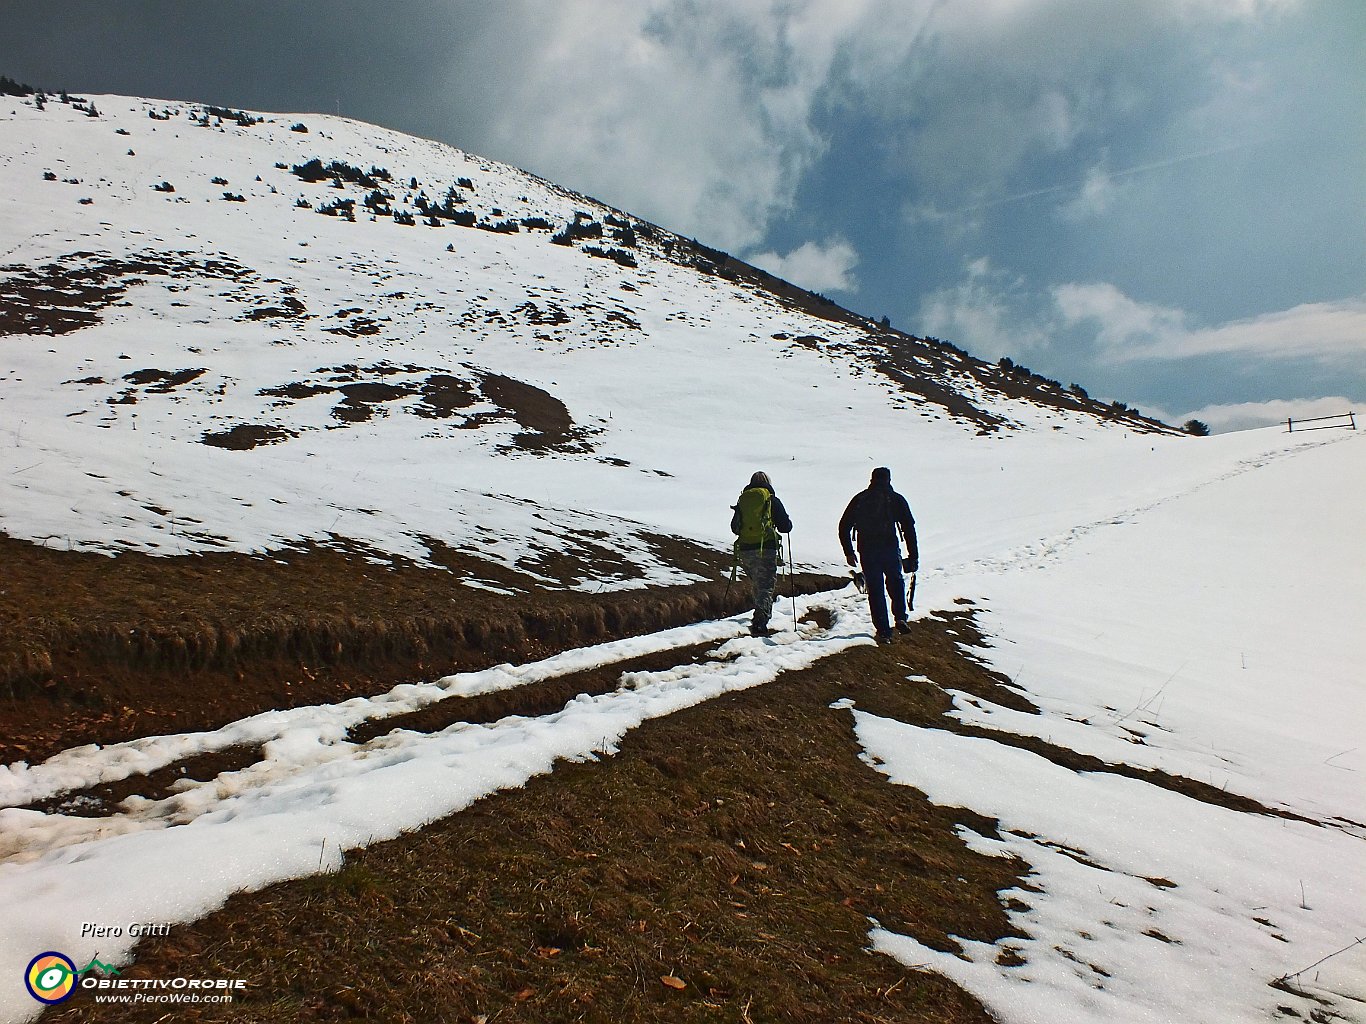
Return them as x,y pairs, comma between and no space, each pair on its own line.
100,649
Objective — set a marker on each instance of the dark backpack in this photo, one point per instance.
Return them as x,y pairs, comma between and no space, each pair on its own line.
875,518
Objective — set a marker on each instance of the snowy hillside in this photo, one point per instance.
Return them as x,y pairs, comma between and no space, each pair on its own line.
198,359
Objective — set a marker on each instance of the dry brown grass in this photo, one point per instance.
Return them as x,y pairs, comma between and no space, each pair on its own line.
99,649
740,847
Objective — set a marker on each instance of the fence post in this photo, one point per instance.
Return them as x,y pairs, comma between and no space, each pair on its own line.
1289,425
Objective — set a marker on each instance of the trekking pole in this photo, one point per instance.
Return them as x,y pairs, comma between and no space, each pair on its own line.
791,586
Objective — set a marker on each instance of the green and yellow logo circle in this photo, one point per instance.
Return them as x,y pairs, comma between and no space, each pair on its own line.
51,977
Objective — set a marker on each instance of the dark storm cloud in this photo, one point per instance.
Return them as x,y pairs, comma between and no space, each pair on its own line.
375,62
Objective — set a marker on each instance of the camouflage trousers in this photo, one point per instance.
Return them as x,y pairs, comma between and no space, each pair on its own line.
761,569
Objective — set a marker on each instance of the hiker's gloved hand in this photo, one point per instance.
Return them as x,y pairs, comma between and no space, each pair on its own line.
910,565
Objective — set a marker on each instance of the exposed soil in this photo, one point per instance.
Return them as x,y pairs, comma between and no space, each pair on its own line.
162,381
99,649
246,436
528,701
722,867
72,293
545,421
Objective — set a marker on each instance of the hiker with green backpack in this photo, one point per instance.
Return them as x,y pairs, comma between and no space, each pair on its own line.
758,518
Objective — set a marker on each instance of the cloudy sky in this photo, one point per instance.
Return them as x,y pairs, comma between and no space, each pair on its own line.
1161,200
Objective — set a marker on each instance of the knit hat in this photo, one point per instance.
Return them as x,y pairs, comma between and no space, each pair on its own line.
882,475
760,480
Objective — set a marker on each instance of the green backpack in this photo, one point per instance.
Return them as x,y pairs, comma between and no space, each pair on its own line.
756,517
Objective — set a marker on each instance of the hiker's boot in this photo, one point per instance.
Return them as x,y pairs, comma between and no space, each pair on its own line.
884,638
903,627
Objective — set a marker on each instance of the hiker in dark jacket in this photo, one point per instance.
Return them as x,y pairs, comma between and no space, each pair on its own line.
874,518
758,518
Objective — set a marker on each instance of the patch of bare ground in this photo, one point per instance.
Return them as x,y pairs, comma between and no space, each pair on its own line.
1184,785
96,649
525,701
723,866
72,292
952,666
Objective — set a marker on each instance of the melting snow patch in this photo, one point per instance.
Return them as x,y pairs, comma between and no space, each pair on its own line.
1153,907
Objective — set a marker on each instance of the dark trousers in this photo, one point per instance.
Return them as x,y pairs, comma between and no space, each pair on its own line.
882,571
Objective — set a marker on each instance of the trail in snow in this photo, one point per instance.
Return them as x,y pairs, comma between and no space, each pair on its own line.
314,795
302,727
1215,636
1045,551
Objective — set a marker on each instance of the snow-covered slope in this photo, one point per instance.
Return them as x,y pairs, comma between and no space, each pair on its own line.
197,359
1211,633
187,372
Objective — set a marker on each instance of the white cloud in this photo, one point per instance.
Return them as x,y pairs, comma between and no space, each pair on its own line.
1120,322
1131,330
1095,197
814,266
992,313
1235,9
697,118
1249,415
1320,330
1016,86
988,313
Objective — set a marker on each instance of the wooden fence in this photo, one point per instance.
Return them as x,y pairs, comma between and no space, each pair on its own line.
1342,419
